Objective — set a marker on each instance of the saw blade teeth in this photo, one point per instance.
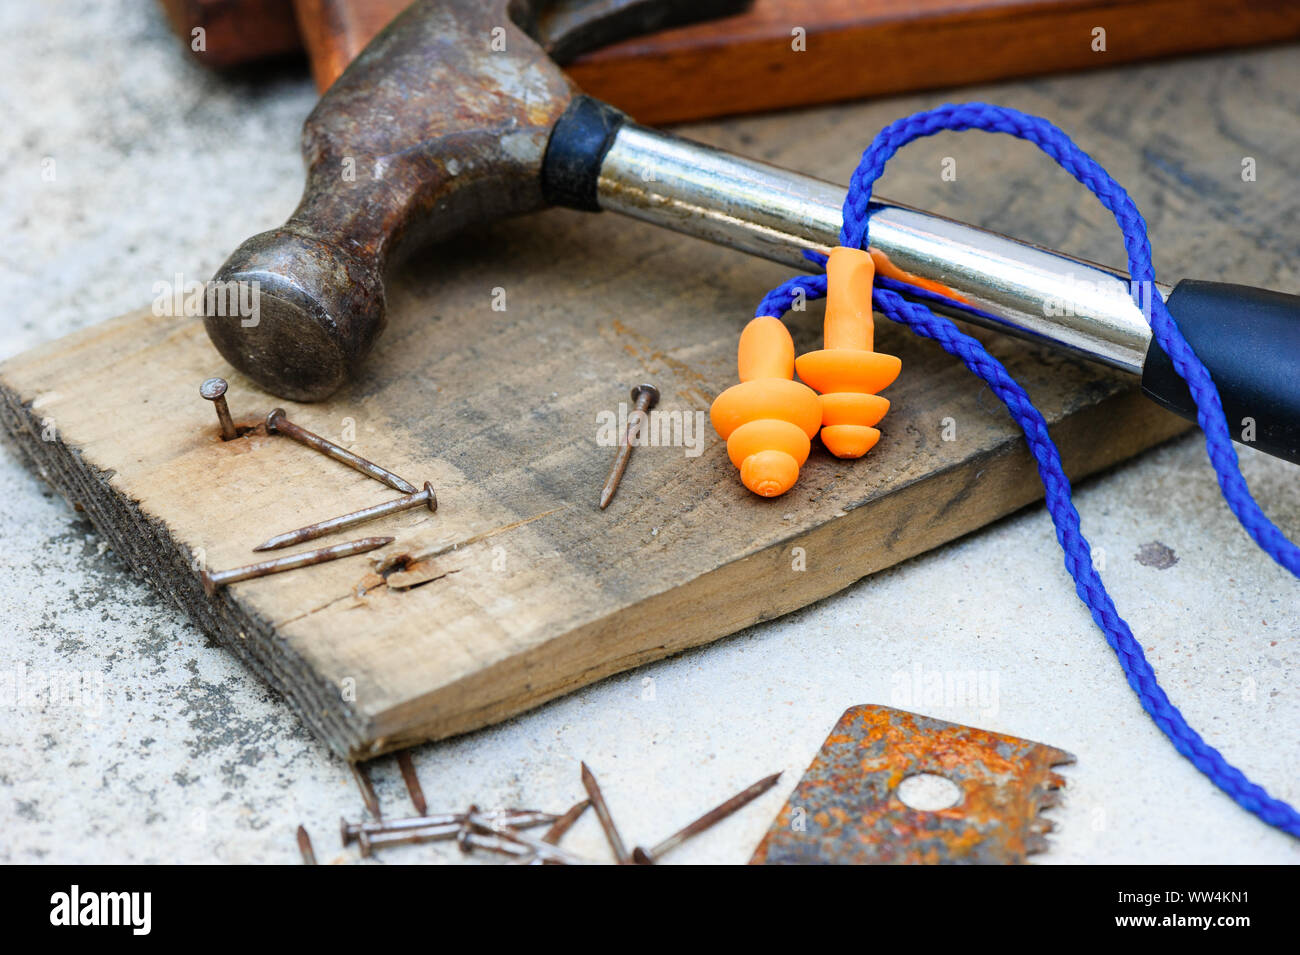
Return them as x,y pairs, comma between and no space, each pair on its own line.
1051,756
1039,826
859,816
1049,799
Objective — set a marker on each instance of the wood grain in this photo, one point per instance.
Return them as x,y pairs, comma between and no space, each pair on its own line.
519,589
861,48
745,64
852,48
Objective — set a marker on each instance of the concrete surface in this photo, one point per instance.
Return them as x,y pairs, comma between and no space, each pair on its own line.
167,751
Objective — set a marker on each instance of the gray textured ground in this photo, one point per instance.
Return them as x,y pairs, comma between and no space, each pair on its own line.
171,752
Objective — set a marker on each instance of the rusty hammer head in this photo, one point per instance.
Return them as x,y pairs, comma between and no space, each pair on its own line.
442,121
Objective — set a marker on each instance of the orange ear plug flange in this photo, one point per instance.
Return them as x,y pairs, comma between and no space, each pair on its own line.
769,418
847,372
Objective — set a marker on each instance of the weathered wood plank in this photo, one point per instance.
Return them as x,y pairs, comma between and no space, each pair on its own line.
523,589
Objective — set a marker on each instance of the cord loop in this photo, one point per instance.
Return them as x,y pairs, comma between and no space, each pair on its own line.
1077,552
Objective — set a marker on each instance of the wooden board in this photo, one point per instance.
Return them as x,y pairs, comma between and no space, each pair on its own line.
852,48
861,48
234,31
520,589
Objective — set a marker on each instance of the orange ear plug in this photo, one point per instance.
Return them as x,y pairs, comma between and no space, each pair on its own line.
847,372
769,418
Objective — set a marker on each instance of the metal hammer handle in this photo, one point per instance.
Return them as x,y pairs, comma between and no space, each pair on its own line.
457,113
776,214
1249,338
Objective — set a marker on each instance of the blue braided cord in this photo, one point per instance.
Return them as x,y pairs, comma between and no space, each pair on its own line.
1054,142
1078,553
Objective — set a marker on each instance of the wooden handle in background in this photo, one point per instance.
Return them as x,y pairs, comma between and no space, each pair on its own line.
852,49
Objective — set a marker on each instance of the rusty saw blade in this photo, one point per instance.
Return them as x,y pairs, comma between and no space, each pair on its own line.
846,808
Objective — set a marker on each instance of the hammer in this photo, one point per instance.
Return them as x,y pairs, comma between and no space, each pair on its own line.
459,113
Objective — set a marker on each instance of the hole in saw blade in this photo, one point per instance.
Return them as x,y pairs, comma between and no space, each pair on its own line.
926,792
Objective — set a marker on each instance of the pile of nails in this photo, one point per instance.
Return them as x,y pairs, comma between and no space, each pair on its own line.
504,831
501,831
214,390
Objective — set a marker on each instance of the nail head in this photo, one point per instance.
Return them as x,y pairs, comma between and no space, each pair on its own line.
213,388
649,390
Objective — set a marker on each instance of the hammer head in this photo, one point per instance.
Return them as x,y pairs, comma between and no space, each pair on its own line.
443,120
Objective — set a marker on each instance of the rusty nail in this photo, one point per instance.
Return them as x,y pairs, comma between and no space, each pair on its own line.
304,847
710,818
368,796
212,580
426,497
558,829
477,831
565,822
465,832
278,423
469,841
351,831
515,818
412,780
644,398
520,818
214,389
537,849
369,840
602,813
